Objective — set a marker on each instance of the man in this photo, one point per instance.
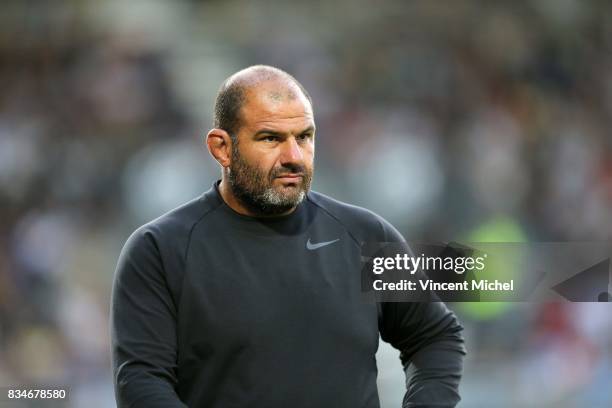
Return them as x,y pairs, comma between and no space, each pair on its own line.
250,295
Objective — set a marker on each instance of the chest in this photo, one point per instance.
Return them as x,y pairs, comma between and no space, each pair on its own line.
258,293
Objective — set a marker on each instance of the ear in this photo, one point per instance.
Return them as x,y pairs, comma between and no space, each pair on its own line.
219,145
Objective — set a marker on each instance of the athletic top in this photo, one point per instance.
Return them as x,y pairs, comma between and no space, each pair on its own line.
214,309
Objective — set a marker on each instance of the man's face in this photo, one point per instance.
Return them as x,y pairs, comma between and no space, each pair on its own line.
272,164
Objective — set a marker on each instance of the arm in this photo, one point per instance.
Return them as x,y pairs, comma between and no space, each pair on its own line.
143,328
431,345
432,351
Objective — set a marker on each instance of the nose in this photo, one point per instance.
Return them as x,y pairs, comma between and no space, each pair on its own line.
292,152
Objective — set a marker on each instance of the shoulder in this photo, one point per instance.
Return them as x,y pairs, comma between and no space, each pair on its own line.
363,224
174,227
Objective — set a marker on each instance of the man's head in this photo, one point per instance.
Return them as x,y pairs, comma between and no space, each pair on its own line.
264,140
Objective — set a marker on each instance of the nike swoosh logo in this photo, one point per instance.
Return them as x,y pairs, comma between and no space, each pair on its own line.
318,245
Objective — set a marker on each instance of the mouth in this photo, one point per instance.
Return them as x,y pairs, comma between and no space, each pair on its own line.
290,178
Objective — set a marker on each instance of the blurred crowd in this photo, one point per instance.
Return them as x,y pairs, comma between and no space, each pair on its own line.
454,120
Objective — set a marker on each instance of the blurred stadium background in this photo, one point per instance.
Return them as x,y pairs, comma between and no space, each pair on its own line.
481,120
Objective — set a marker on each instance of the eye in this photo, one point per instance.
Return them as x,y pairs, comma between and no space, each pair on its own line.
270,138
305,136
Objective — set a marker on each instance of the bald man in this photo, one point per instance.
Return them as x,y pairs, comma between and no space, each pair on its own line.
250,295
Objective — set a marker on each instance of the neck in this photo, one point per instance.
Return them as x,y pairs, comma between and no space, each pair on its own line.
235,204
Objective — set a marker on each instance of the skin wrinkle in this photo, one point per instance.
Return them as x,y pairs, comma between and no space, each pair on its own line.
232,94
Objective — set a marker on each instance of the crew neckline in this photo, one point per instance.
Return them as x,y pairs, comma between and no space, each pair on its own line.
289,224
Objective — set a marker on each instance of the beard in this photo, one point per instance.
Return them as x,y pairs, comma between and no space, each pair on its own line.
255,188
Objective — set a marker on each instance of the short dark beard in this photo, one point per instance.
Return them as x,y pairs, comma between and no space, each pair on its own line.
254,189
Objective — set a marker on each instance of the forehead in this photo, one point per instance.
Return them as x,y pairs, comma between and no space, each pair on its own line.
281,108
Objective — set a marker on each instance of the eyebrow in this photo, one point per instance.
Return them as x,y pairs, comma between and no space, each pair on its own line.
276,133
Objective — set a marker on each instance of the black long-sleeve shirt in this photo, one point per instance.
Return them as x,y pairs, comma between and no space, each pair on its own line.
211,309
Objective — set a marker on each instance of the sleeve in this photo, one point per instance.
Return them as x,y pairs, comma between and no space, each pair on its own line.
431,350
143,328
429,338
